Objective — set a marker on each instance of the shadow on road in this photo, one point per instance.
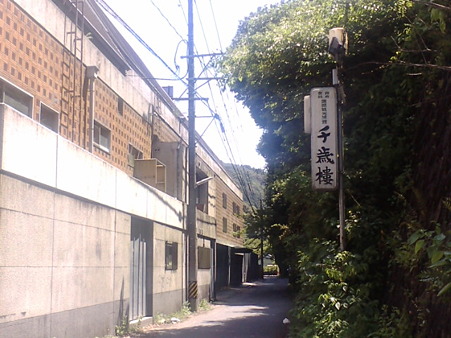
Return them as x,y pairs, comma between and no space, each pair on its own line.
252,310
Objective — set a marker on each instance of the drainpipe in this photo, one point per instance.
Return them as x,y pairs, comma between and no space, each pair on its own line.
91,74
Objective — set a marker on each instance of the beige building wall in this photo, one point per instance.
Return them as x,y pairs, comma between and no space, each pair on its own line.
63,263
229,209
65,246
168,284
204,279
65,212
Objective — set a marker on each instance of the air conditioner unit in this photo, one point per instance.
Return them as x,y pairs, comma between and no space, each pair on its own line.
152,172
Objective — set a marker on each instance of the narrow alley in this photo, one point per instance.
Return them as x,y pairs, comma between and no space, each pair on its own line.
253,310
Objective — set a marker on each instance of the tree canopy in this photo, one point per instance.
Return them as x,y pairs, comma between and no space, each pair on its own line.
396,77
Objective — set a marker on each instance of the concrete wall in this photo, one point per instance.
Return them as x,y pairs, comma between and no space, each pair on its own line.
168,285
65,245
64,263
129,87
70,208
34,152
204,276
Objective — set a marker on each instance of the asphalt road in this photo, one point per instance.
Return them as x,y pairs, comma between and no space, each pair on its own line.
253,310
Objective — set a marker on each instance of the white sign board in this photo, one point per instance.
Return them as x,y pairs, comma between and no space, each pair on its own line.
324,138
307,115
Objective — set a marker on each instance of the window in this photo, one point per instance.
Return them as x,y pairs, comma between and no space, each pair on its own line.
170,252
236,208
102,137
16,98
133,154
120,106
224,201
202,191
224,224
236,231
204,255
49,118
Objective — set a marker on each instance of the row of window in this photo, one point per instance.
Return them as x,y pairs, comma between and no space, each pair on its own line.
236,228
235,207
23,103
171,255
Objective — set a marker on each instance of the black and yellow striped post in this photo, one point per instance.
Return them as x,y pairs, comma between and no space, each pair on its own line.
192,292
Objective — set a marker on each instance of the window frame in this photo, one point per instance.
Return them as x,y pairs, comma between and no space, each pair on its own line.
170,256
236,230
47,109
224,225
204,258
98,128
134,154
236,208
224,200
120,105
16,98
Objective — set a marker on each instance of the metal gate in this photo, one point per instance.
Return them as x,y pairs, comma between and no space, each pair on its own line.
140,273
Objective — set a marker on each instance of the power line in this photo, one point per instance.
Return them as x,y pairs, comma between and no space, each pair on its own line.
109,10
168,21
217,119
242,175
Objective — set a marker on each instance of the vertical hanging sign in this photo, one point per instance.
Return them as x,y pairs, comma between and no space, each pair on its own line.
324,138
307,115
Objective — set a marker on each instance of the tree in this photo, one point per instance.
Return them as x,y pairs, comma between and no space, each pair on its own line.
396,75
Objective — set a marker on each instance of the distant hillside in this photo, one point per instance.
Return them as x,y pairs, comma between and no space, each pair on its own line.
250,180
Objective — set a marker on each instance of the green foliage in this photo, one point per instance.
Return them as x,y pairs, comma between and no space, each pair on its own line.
183,313
431,252
334,298
123,328
204,305
272,270
398,89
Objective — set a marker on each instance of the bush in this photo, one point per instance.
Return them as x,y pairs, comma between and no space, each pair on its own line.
334,297
272,270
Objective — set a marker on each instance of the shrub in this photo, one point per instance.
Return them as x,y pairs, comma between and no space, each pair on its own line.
272,270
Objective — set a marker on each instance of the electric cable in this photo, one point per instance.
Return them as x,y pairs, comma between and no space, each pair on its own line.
242,175
110,11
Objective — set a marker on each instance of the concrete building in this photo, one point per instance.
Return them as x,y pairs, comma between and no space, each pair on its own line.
93,181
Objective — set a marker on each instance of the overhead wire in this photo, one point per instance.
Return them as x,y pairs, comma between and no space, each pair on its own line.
109,10
182,38
241,174
216,26
168,21
246,173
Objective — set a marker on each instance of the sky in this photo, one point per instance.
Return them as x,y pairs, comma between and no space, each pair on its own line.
162,24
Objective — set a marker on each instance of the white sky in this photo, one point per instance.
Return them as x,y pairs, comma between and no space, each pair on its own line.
162,24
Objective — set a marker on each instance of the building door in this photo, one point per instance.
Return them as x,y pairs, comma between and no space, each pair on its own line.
140,269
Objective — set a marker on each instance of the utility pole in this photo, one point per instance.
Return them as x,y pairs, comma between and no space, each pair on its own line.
341,160
191,212
261,240
337,47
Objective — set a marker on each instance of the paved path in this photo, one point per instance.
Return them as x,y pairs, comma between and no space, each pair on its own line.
253,310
